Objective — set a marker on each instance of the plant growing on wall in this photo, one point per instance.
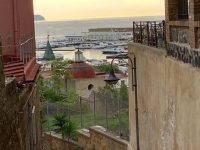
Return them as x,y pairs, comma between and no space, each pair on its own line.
69,130
59,122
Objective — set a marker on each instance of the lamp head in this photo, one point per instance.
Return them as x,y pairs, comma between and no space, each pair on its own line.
112,79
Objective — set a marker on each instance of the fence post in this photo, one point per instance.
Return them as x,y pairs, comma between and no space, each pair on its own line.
57,109
94,110
148,32
81,113
106,115
119,116
156,36
141,32
48,115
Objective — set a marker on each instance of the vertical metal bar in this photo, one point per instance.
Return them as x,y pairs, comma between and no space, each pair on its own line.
30,125
48,115
134,31
20,48
156,34
57,109
119,119
29,48
68,112
26,53
94,109
81,112
148,32
136,106
106,114
140,32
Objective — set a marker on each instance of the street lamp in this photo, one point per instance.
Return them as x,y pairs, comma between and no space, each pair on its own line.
112,79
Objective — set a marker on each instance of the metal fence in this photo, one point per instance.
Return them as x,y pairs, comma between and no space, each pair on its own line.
151,33
98,109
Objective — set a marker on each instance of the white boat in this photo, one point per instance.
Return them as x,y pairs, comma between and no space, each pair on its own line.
99,46
116,44
117,50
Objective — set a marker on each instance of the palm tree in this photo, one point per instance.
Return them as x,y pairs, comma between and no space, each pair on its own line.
59,122
70,129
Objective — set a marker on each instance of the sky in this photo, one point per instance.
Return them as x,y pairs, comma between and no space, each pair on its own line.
85,9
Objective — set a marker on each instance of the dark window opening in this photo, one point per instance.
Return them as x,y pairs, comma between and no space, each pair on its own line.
90,86
182,9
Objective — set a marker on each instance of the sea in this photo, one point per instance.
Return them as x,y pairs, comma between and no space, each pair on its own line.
58,29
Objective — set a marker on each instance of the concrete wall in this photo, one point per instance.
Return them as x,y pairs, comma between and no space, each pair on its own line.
169,101
20,121
55,142
81,85
97,138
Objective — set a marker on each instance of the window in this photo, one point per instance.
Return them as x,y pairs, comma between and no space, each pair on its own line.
182,9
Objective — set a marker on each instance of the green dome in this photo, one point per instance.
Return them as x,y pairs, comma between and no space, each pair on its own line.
48,54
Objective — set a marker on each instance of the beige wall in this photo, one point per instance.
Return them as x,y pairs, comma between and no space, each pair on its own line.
97,138
169,102
81,85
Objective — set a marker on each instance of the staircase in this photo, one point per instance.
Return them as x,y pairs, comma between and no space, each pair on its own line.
15,69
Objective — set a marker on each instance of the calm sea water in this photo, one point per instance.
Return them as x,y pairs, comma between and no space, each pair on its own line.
58,30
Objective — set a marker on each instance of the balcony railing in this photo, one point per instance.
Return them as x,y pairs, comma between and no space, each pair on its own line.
27,48
151,33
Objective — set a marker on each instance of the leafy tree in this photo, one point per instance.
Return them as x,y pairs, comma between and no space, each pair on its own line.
106,68
123,92
108,90
60,68
59,122
69,130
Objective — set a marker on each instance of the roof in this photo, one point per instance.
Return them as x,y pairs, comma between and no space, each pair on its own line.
74,35
82,70
48,54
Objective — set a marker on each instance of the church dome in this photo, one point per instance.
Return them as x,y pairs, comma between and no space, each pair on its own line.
82,70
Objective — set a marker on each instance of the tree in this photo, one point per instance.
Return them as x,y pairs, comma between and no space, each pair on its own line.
106,68
59,122
69,130
123,92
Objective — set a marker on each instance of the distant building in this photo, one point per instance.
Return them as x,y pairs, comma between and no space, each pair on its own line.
109,34
74,38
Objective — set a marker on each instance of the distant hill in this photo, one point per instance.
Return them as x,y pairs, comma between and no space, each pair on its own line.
38,18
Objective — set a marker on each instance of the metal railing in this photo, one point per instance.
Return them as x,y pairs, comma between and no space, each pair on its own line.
151,33
110,113
27,48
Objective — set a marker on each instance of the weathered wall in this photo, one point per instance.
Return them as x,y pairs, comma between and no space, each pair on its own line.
169,101
20,121
97,138
55,142
81,85
18,19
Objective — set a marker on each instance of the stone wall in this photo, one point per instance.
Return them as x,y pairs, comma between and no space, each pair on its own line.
55,142
20,121
192,23
168,99
97,138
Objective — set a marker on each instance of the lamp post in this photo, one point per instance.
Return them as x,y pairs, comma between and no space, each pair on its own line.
112,79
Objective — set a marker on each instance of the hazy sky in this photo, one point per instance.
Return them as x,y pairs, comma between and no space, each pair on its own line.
83,9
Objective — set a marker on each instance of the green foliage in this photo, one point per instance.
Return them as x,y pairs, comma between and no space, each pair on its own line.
59,122
106,68
70,129
60,68
111,91
123,92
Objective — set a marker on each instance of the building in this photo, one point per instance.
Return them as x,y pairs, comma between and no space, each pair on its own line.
71,38
168,82
20,123
110,34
